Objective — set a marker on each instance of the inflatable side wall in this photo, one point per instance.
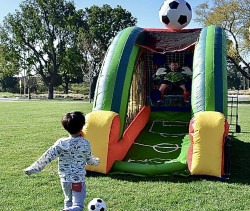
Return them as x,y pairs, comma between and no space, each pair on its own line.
105,124
209,127
102,130
114,81
206,153
209,83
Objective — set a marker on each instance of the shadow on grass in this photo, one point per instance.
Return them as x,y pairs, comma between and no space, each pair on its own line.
245,132
135,178
240,168
240,161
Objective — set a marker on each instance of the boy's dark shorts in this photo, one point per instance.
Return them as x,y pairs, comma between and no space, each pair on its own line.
177,83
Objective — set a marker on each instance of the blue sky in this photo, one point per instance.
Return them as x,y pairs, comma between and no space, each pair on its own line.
146,11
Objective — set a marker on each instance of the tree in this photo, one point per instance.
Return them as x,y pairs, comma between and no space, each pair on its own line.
9,84
234,78
233,17
103,23
39,38
70,68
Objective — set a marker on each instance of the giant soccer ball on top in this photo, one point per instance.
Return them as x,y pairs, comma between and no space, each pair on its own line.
175,14
97,204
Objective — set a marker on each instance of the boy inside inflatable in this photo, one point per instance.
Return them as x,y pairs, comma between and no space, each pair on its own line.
173,78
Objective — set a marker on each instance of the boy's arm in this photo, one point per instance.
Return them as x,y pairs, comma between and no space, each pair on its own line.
93,161
90,159
46,158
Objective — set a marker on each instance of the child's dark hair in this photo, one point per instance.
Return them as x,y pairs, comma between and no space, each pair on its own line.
73,121
174,61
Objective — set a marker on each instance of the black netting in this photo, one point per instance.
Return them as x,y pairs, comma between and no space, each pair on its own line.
137,92
160,48
167,41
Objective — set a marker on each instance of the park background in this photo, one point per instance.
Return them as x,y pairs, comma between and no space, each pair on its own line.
77,70
30,123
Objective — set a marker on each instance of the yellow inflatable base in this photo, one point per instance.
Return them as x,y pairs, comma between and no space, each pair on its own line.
207,137
97,131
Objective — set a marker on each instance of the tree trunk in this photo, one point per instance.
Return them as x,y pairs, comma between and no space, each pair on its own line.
66,88
93,82
50,91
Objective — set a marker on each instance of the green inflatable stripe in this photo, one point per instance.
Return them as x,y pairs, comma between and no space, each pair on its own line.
116,74
209,70
110,84
103,75
149,169
113,68
224,66
220,73
209,85
125,70
198,81
126,88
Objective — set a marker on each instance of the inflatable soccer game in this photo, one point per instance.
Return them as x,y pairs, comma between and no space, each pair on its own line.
137,128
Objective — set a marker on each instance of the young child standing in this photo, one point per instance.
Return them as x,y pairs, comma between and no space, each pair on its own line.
73,153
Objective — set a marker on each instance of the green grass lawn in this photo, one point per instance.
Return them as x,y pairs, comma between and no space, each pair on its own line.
28,128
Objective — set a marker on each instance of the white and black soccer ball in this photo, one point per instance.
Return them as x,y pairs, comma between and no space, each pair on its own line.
175,14
97,204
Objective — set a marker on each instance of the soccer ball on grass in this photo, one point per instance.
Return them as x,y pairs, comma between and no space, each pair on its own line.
175,14
97,204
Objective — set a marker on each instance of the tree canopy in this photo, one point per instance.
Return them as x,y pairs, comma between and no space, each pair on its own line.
103,23
37,37
233,17
56,41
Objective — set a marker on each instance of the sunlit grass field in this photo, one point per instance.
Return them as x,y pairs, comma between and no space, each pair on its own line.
28,128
